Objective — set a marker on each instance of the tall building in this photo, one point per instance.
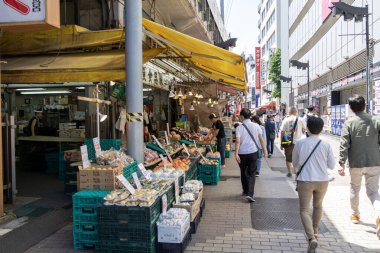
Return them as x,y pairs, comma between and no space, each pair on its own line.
273,34
336,52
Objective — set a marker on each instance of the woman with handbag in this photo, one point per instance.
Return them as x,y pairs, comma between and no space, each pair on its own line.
311,158
248,135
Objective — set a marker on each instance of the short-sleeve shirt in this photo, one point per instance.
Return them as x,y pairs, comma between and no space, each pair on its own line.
247,145
219,125
288,126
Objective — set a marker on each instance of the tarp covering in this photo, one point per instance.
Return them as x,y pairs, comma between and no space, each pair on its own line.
216,63
83,67
67,38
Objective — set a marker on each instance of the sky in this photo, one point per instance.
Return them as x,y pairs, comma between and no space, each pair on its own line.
241,20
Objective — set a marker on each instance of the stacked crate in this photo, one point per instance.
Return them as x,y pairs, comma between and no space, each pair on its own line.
85,218
209,174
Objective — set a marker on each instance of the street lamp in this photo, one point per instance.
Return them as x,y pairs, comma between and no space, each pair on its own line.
304,66
351,12
289,80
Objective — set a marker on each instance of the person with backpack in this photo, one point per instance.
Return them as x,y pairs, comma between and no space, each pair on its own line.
249,141
271,132
311,158
292,130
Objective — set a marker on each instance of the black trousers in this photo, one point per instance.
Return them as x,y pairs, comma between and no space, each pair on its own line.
270,145
248,172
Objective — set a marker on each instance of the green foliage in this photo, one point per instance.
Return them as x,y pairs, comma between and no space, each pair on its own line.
275,72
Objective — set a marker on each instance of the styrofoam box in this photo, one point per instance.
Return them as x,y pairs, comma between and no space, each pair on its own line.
175,234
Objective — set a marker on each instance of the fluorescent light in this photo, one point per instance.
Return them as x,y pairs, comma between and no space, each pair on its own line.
80,88
45,92
30,89
147,89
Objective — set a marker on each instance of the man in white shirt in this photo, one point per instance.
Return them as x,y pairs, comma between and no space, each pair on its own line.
247,152
313,156
290,124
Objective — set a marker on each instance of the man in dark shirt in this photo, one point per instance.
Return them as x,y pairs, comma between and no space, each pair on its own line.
217,132
271,131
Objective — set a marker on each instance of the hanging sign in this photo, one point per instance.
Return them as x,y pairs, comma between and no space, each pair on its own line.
29,15
84,154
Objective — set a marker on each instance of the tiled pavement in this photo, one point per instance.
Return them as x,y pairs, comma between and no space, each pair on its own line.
227,226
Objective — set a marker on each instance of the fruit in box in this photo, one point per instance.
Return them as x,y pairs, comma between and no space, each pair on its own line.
213,155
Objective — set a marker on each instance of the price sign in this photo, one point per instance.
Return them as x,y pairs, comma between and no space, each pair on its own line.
158,143
126,184
136,180
164,203
176,187
84,154
167,127
97,147
163,161
211,150
169,157
204,158
167,138
143,171
184,178
185,148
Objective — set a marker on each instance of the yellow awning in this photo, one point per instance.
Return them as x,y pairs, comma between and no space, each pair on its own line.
214,62
82,67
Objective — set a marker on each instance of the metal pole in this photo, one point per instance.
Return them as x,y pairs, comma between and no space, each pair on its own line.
133,73
291,93
308,83
222,9
1,158
368,63
97,112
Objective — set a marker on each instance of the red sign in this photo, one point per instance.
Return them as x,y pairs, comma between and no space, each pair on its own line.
18,6
258,63
325,8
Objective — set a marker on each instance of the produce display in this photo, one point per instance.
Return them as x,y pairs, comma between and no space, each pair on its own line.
186,135
213,155
205,139
169,173
194,151
208,162
114,158
173,148
142,197
177,164
187,197
174,136
173,217
158,184
192,186
150,156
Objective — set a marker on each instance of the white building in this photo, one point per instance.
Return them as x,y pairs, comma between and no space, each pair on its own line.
273,27
251,97
335,50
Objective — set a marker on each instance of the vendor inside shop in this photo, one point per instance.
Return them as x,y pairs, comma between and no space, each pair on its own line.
34,124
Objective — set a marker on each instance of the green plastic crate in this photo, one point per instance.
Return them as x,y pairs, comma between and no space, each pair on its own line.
130,233
85,205
209,174
129,170
228,154
105,144
155,148
113,246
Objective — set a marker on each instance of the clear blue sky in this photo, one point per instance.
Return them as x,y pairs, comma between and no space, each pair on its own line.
241,20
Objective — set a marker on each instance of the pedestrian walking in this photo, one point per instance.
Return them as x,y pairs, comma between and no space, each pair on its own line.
292,129
256,120
309,112
360,145
249,141
271,132
311,158
217,131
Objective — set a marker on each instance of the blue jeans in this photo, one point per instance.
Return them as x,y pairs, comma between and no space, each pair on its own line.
221,147
270,144
258,166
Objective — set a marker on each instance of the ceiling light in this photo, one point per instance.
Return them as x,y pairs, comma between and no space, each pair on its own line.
212,105
45,92
194,101
180,93
171,94
192,107
198,102
176,96
102,117
209,100
147,89
190,93
200,96
112,83
80,88
30,89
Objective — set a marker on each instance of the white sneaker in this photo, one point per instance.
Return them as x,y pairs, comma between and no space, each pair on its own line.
313,244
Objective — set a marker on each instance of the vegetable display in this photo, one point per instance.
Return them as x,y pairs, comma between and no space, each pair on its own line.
114,158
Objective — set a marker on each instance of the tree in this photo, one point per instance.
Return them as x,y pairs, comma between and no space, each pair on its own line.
275,72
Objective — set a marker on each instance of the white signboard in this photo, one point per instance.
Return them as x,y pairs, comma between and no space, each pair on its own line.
143,171
136,180
97,147
126,184
12,11
84,154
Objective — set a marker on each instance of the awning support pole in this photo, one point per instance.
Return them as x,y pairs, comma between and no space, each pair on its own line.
1,158
133,73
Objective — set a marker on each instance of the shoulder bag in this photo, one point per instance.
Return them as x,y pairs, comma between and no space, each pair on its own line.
286,140
303,165
259,151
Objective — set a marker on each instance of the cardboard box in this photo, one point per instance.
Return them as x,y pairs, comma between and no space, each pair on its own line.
99,178
193,209
168,234
73,155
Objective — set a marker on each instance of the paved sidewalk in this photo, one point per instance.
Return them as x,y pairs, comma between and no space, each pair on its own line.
271,224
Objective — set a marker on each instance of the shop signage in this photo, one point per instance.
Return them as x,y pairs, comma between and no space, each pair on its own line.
29,15
321,91
258,65
326,4
376,99
97,147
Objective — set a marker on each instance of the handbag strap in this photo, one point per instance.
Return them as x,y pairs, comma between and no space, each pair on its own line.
303,165
294,129
250,134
